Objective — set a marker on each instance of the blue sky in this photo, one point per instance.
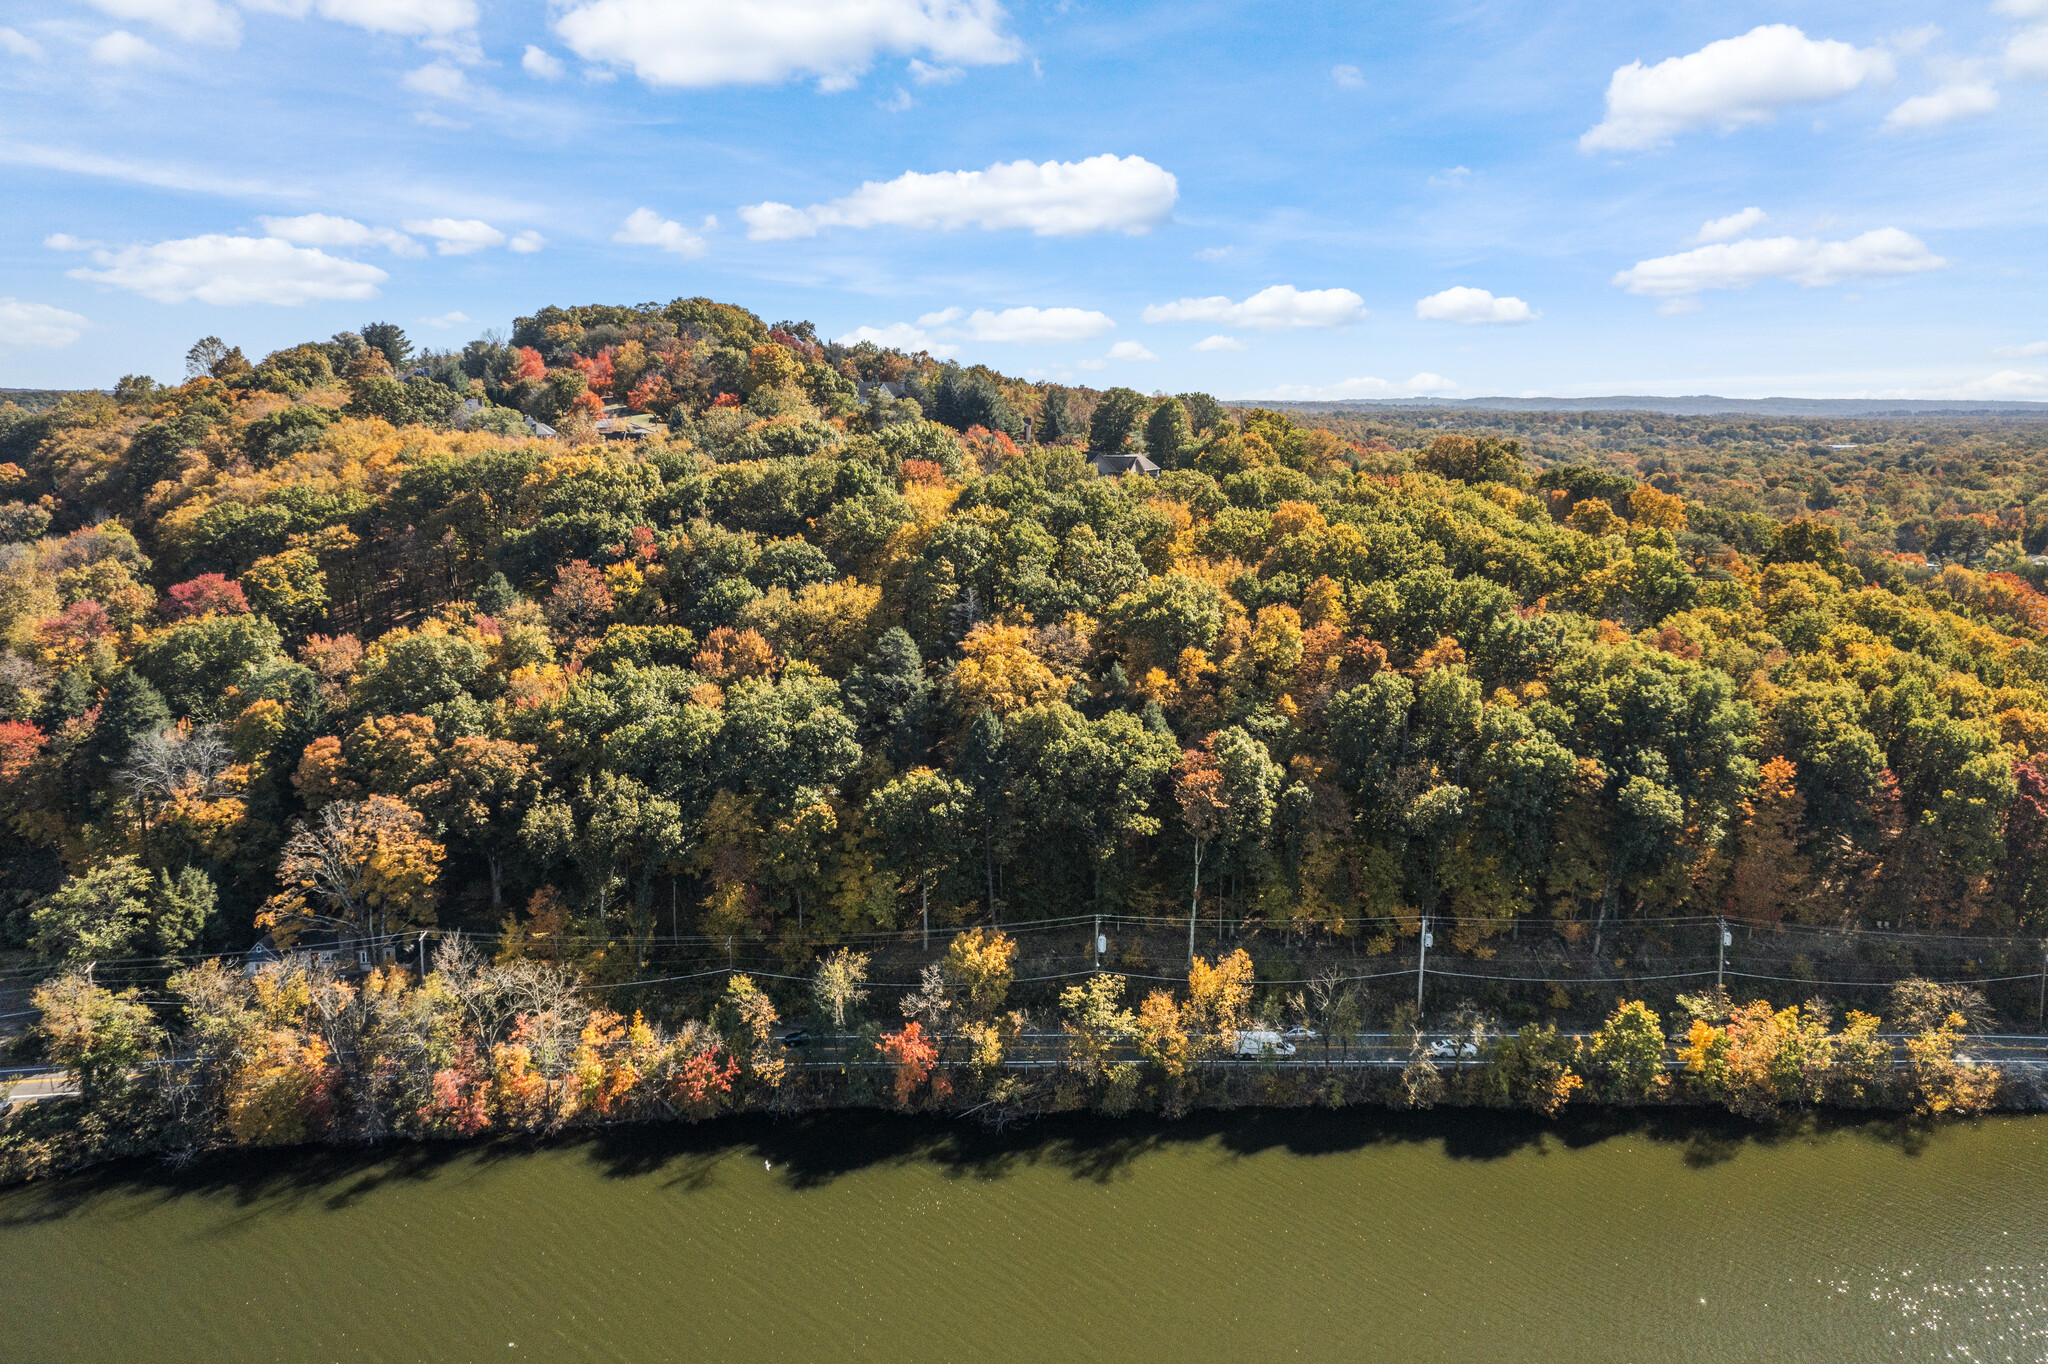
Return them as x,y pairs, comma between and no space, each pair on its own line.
1252,199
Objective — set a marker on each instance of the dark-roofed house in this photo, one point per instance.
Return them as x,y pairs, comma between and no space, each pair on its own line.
1116,466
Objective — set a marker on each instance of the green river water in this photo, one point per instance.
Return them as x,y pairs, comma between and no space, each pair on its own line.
1348,1236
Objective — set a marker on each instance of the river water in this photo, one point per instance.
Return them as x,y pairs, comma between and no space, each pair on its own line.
1348,1236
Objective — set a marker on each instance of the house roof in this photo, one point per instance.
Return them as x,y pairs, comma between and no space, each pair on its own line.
1113,465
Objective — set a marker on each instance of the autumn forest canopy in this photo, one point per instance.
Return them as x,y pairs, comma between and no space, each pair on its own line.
663,617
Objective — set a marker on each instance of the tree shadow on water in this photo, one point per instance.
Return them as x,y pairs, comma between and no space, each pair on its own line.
255,1181
814,1150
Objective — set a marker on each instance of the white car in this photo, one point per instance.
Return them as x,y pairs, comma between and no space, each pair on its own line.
1262,1042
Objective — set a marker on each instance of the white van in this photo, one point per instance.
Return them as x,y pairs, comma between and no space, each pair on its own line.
1262,1043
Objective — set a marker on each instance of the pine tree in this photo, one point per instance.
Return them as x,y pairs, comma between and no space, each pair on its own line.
1167,434
1055,421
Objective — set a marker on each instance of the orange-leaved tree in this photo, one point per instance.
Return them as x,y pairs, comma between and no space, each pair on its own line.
913,1054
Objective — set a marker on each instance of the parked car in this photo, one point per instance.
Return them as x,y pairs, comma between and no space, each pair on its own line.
1262,1042
796,1037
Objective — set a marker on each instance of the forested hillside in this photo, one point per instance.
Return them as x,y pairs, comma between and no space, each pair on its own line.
1951,488
320,645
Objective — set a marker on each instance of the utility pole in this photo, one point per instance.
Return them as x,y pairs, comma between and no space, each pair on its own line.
1421,964
1721,954
2042,1013
1095,945
421,948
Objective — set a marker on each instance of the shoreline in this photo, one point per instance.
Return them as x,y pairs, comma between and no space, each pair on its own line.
1230,1093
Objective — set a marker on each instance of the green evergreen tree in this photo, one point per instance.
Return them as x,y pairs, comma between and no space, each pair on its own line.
1168,438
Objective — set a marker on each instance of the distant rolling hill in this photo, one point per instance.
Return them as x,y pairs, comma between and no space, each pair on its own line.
33,399
1701,405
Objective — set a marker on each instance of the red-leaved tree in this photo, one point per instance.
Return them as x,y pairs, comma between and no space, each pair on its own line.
208,592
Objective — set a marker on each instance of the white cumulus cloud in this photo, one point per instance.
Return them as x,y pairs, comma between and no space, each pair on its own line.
406,18
526,243
2026,352
122,48
1730,227
1806,261
18,44
1031,325
1473,307
1027,326
37,326
457,236
2010,383
1218,343
2021,9
1129,350
1053,199
1278,308
900,336
323,229
645,227
754,42
195,21
409,18
446,320
233,270
1348,76
1966,99
538,62
441,79
1729,83
2026,55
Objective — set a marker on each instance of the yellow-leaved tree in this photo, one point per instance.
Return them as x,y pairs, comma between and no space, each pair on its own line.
361,868
981,965
999,672
1218,998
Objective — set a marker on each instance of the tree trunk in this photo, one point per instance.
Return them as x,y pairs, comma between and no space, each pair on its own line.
988,862
497,882
1195,902
1608,894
